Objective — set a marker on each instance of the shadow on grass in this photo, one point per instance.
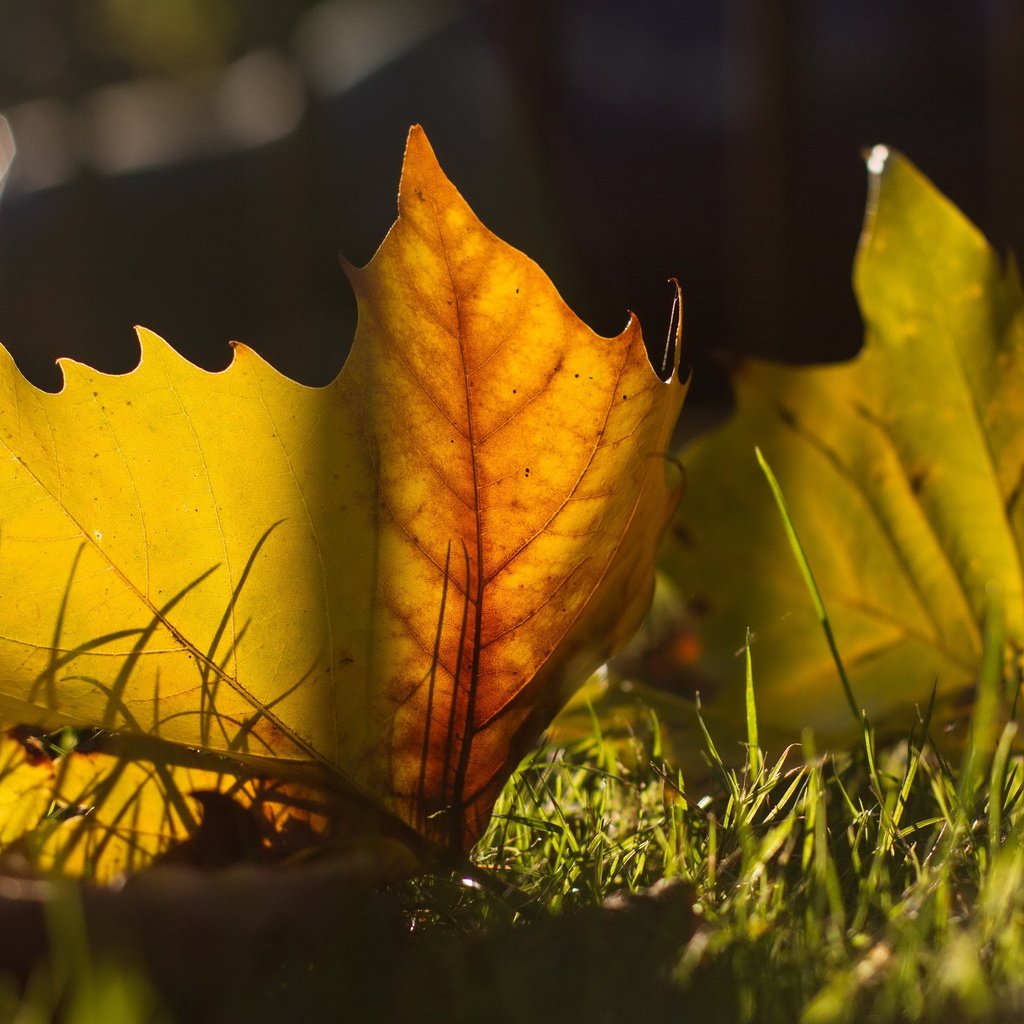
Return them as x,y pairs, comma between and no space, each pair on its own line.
258,944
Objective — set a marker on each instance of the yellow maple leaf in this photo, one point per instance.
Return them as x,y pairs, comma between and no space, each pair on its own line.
384,587
903,472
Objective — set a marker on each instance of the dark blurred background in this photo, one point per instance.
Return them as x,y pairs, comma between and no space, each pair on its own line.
196,165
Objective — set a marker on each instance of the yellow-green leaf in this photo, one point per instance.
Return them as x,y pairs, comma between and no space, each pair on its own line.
386,586
903,472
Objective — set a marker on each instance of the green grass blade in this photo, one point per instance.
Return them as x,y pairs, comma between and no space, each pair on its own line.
997,785
753,745
812,586
988,702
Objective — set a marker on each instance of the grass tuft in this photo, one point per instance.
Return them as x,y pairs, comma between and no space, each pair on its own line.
870,885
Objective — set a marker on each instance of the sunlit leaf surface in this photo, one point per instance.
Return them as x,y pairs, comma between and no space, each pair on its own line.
386,586
903,470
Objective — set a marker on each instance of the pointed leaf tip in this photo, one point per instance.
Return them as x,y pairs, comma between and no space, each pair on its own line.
422,173
876,159
674,340
418,150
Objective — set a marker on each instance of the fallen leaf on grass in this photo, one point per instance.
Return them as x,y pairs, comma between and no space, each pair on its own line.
381,590
903,472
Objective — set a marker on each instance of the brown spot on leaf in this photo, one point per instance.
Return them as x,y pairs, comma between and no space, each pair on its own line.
683,535
785,415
